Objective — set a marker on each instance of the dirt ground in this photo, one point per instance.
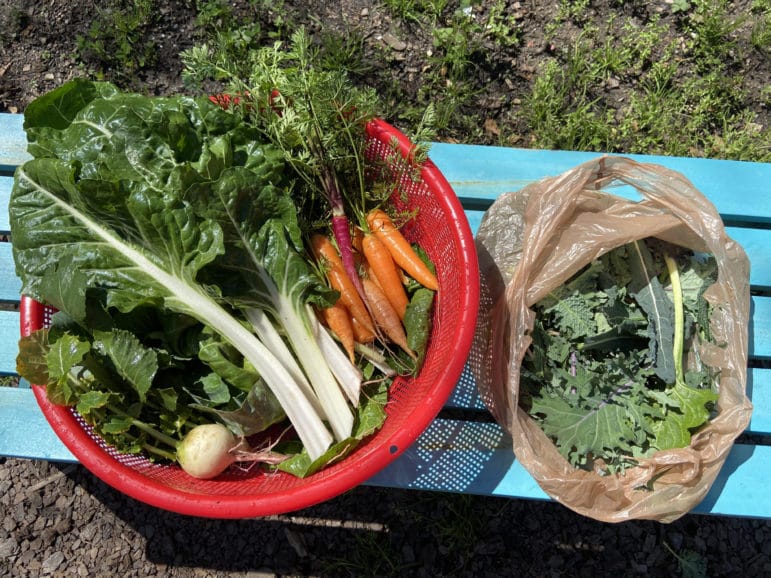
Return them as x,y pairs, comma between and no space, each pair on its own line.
58,520
37,54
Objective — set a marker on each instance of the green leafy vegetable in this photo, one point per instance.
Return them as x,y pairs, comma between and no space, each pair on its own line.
165,232
605,376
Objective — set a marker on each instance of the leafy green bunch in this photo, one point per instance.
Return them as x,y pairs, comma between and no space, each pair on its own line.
605,375
162,231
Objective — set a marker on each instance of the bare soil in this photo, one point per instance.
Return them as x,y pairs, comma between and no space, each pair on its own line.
58,520
38,40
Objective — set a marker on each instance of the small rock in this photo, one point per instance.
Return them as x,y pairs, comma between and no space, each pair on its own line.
394,42
49,76
676,541
297,541
7,548
491,127
51,563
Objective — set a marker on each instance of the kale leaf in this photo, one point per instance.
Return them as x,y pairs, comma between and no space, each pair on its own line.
604,376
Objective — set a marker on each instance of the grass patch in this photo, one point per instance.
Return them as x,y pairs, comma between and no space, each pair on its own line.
614,80
690,84
117,40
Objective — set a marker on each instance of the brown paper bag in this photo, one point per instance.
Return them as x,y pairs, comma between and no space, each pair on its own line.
532,241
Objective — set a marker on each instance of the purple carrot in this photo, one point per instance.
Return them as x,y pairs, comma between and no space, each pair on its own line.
342,231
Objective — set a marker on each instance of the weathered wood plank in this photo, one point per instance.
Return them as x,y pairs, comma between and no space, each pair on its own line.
739,190
450,456
24,431
754,241
476,458
13,142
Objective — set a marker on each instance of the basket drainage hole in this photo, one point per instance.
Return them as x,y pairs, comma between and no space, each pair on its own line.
393,449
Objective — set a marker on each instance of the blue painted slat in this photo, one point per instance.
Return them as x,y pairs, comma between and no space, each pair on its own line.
466,396
756,243
9,338
760,328
759,391
24,431
450,456
476,458
10,284
13,142
484,172
457,456
6,183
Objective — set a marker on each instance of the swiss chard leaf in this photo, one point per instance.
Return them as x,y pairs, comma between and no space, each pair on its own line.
370,417
106,197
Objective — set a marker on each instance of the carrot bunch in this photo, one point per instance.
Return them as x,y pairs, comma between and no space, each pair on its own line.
386,263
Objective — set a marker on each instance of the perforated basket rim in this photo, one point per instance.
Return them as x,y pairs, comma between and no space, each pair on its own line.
93,456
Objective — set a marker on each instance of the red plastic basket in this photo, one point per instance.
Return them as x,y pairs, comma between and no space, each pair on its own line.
442,229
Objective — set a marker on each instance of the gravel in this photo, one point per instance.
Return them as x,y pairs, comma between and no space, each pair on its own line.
59,520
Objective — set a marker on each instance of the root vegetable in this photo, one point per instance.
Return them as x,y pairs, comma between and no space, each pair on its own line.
209,449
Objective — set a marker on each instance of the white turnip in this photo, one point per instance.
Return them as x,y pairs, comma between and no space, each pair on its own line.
209,449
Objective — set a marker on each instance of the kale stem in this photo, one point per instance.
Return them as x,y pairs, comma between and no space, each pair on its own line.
677,295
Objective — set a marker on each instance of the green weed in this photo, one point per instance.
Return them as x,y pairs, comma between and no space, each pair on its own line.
690,563
374,555
416,11
760,36
345,52
566,106
116,43
501,26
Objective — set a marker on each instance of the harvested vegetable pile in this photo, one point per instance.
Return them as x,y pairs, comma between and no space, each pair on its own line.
185,243
604,377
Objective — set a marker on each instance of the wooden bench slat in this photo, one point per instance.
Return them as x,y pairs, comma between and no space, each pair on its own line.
759,391
6,184
10,284
476,458
755,242
481,173
13,146
9,337
450,456
760,328
24,431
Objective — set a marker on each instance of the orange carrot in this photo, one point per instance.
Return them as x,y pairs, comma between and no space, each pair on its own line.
325,251
401,250
386,273
338,319
360,333
385,316
356,239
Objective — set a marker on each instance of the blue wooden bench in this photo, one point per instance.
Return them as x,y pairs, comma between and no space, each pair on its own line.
461,451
